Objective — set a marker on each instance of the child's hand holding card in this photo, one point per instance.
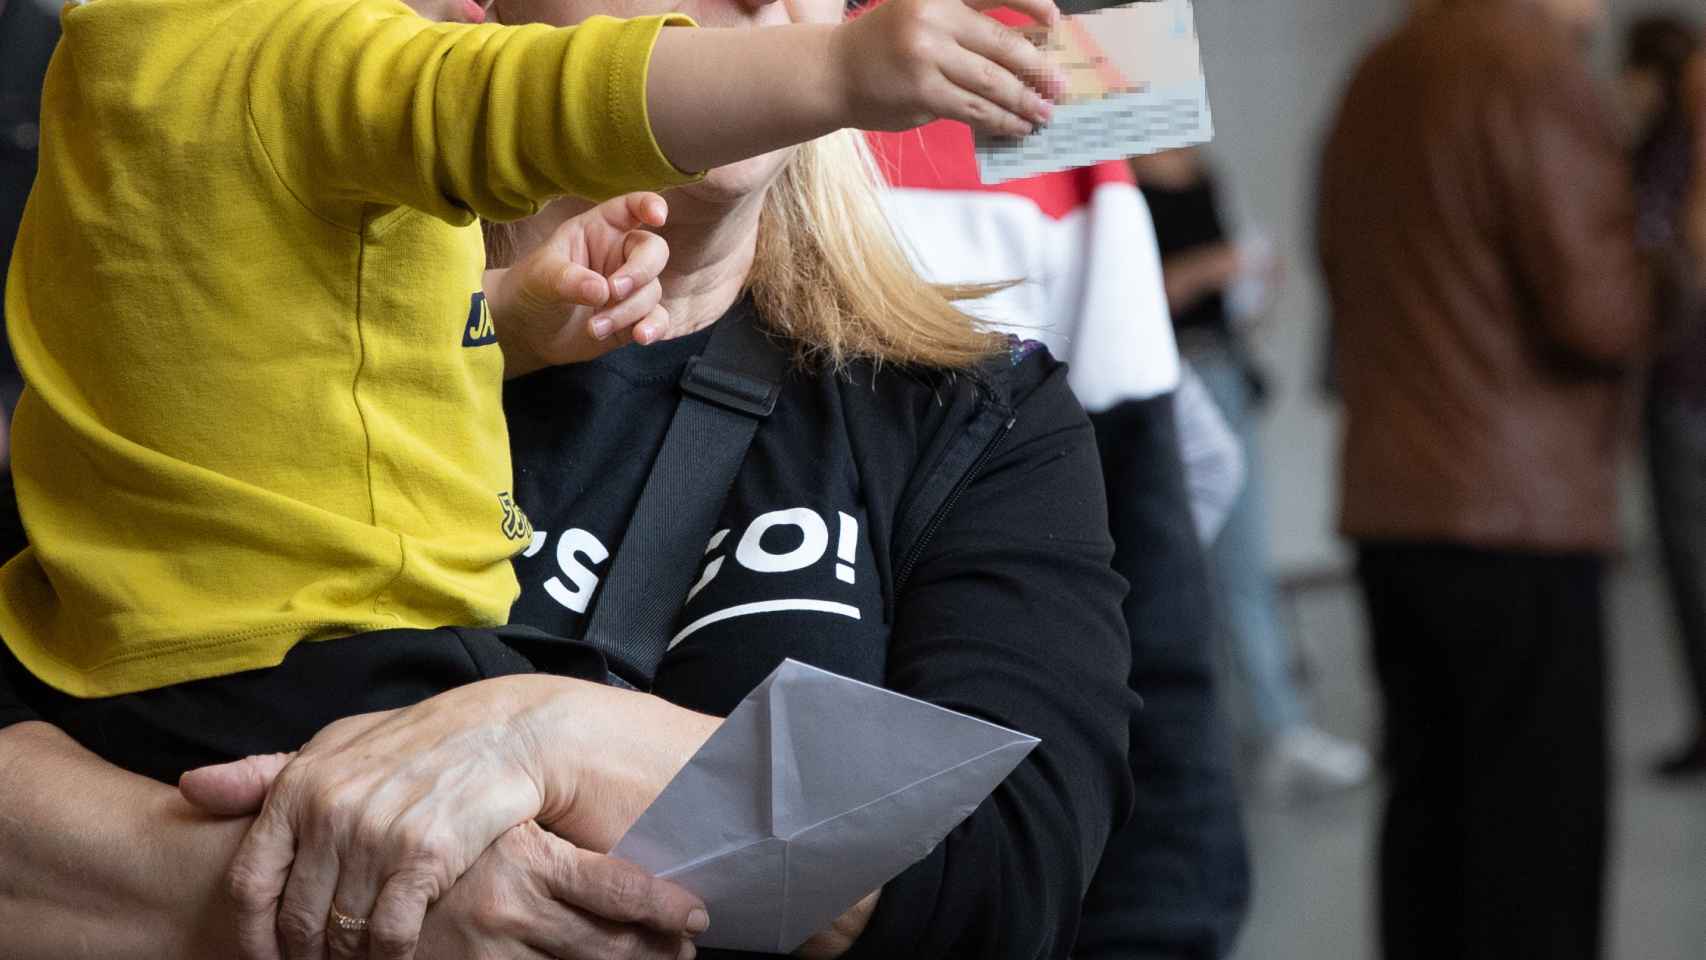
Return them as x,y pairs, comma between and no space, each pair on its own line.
1134,86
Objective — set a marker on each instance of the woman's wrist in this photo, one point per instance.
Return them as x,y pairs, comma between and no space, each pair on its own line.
538,727
602,754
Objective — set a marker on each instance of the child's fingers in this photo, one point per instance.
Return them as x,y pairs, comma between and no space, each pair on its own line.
657,326
633,211
644,256
574,343
957,103
984,78
617,340
543,286
557,282
1009,50
626,313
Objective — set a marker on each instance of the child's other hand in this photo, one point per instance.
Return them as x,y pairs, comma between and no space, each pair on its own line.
589,289
907,62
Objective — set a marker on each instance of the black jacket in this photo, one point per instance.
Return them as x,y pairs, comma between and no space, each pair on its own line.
1174,881
943,536
978,577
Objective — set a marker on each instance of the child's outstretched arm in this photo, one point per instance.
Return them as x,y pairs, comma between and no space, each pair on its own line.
361,102
718,96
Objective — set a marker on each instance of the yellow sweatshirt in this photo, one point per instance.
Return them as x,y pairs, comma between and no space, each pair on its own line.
263,397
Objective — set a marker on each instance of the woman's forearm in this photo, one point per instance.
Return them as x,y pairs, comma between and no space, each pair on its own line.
99,862
608,753
1192,276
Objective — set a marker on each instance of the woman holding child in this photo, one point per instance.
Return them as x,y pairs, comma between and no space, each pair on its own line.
460,790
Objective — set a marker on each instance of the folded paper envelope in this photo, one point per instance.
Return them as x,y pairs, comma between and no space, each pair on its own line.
815,791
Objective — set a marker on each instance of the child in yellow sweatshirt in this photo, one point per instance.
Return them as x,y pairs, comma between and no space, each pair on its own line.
263,400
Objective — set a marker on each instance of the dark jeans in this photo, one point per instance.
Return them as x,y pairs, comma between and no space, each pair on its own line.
1174,882
1491,666
1676,464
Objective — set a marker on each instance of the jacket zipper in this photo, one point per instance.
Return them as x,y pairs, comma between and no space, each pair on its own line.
948,504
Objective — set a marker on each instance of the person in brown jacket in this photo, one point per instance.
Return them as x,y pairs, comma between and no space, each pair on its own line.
1476,232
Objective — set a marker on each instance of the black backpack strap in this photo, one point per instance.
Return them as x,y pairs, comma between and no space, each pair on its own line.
726,391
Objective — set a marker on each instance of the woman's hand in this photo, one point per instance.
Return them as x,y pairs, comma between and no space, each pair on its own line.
590,288
533,895
530,894
838,939
908,62
378,816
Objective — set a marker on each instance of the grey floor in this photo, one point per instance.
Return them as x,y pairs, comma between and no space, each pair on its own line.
1313,866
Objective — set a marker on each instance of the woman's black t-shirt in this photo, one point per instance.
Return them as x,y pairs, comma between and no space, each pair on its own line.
789,571
1010,612
1006,608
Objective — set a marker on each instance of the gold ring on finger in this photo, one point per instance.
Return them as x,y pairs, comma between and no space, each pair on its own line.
347,923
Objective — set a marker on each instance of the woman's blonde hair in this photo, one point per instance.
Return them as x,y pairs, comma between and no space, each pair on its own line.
830,275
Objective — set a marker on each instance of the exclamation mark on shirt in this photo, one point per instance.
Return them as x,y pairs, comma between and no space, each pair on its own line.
711,569
846,545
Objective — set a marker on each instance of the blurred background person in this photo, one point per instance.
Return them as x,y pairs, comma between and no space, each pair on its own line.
1658,50
1477,237
1215,288
1173,881
28,31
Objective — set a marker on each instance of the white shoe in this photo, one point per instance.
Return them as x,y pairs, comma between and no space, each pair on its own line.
1307,761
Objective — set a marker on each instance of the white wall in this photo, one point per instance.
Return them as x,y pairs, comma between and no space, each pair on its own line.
1275,71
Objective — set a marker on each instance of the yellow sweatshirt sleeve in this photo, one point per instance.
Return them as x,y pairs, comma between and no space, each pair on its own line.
359,102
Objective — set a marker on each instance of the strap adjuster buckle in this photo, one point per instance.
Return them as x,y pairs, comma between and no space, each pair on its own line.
729,389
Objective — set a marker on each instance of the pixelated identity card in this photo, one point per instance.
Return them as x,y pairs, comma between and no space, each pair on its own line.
1134,86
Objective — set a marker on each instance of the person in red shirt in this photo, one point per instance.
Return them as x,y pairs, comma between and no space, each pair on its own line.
1174,880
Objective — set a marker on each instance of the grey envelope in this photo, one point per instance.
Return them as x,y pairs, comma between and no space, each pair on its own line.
815,791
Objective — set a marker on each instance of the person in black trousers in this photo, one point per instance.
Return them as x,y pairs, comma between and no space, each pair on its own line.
1477,234
1491,665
